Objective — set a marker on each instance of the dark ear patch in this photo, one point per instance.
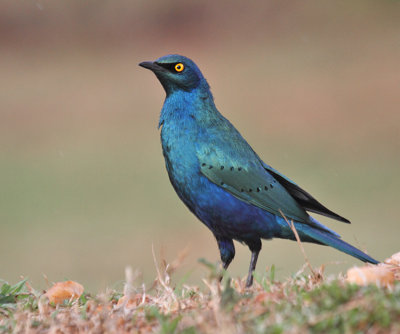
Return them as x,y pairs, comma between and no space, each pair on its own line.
168,66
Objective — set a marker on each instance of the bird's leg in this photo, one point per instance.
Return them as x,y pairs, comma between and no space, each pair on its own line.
227,252
253,262
255,248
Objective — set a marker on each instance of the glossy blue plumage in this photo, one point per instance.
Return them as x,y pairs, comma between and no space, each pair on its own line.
222,180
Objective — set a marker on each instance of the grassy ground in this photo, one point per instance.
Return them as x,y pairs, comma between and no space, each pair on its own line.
313,86
303,303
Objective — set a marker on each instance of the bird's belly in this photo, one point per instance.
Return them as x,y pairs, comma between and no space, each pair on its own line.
220,211
228,216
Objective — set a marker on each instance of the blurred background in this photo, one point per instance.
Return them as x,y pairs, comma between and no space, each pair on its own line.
312,85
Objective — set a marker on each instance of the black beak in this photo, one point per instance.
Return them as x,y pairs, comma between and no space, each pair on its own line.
151,66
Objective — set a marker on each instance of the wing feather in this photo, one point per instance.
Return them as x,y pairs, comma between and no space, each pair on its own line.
255,186
307,201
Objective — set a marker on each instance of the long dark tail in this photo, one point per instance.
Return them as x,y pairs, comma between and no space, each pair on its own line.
329,239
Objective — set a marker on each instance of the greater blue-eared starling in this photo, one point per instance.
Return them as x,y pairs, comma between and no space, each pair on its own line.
220,178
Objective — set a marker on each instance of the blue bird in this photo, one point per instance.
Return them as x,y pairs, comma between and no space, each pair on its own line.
220,178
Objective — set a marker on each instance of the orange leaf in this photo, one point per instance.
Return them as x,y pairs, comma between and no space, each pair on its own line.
132,302
261,297
380,276
61,291
394,260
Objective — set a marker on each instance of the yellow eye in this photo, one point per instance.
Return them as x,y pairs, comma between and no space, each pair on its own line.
179,67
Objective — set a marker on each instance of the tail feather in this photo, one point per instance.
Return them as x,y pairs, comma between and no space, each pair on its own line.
329,239
322,227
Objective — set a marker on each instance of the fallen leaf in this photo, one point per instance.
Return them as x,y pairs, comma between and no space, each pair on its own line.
261,297
394,260
381,276
61,291
133,301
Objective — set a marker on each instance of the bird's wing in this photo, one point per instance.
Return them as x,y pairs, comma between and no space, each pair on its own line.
249,181
302,197
227,160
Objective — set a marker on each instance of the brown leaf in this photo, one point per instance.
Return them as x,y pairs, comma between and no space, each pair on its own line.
394,260
133,301
381,276
61,291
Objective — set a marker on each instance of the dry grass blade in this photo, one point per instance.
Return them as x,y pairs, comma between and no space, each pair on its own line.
293,228
164,280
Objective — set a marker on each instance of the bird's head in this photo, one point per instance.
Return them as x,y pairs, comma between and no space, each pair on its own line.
176,72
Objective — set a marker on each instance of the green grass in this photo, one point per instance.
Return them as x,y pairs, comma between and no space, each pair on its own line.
302,303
